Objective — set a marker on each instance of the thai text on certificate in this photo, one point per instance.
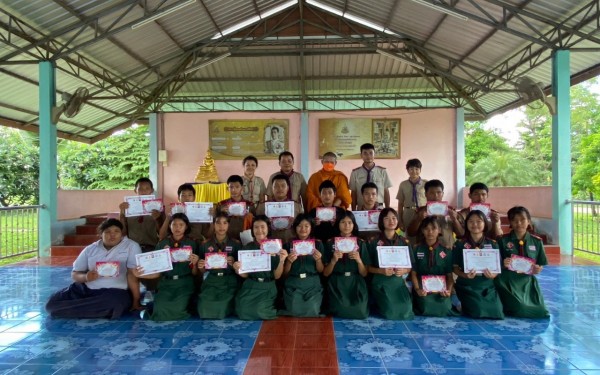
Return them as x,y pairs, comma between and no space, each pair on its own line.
394,257
480,260
136,206
279,209
199,212
154,261
254,261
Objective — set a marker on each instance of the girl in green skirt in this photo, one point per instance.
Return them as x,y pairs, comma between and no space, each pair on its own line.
346,287
217,295
476,292
302,292
388,287
256,298
431,259
175,287
519,291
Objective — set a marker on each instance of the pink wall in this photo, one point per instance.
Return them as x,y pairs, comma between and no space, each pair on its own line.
73,204
537,199
428,135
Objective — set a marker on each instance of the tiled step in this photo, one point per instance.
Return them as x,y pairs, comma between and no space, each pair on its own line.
94,220
86,229
63,251
80,239
552,249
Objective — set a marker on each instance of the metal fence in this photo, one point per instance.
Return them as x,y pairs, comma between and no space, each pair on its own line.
18,230
586,226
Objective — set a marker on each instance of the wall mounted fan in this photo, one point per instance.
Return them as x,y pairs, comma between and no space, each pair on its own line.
71,104
530,92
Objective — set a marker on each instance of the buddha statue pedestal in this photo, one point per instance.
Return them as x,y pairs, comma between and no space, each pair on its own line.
207,172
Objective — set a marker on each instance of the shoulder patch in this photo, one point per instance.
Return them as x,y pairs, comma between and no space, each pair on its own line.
536,236
380,167
356,169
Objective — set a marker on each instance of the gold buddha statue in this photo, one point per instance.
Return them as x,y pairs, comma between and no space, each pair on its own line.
207,172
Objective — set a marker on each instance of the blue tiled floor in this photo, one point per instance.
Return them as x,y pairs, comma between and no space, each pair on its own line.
567,343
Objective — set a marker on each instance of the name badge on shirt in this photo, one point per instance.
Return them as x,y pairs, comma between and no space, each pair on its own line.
228,249
487,246
532,248
420,255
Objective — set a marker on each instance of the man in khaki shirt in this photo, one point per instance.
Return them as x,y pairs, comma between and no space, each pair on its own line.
369,172
297,191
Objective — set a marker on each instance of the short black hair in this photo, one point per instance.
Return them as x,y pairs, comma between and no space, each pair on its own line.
482,216
109,223
368,185
281,176
250,157
518,210
300,218
434,183
235,178
478,186
186,187
264,218
220,214
367,146
180,216
386,211
424,223
414,163
142,180
327,184
285,153
344,215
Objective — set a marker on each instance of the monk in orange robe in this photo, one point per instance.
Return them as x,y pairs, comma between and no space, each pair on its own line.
343,198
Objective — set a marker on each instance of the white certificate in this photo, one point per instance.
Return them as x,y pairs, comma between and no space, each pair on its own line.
364,220
177,208
271,246
181,255
303,247
325,213
154,261
521,264
281,223
437,208
237,208
480,260
346,244
394,257
483,207
279,209
152,205
215,261
433,283
107,269
254,261
136,208
199,212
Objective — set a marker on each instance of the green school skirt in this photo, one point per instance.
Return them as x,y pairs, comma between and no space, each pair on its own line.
217,296
302,296
521,295
256,300
348,296
432,304
172,299
392,297
479,298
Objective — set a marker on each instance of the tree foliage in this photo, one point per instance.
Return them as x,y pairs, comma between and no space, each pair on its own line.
19,170
479,142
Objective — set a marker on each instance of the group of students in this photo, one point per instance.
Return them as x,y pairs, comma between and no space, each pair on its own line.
328,281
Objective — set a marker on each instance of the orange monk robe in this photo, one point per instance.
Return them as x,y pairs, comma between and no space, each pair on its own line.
339,180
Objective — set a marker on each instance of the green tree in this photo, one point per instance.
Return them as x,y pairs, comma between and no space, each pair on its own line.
19,170
502,168
586,179
479,142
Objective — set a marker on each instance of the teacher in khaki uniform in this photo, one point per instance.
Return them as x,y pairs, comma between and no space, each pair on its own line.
369,172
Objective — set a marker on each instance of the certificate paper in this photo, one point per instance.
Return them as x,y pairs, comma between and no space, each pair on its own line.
198,212
215,261
154,261
366,220
303,247
483,207
136,208
107,269
152,205
181,255
521,264
177,208
237,208
346,244
393,257
480,260
281,223
437,208
279,209
254,261
433,283
271,246
325,213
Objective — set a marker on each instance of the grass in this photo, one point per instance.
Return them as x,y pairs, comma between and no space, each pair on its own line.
18,235
586,235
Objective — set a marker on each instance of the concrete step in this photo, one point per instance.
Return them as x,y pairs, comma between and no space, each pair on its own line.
94,220
86,229
80,239
552,249
61,251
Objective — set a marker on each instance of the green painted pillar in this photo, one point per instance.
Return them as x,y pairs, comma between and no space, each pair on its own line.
561,151
48,170
304,160
153,130
460,155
